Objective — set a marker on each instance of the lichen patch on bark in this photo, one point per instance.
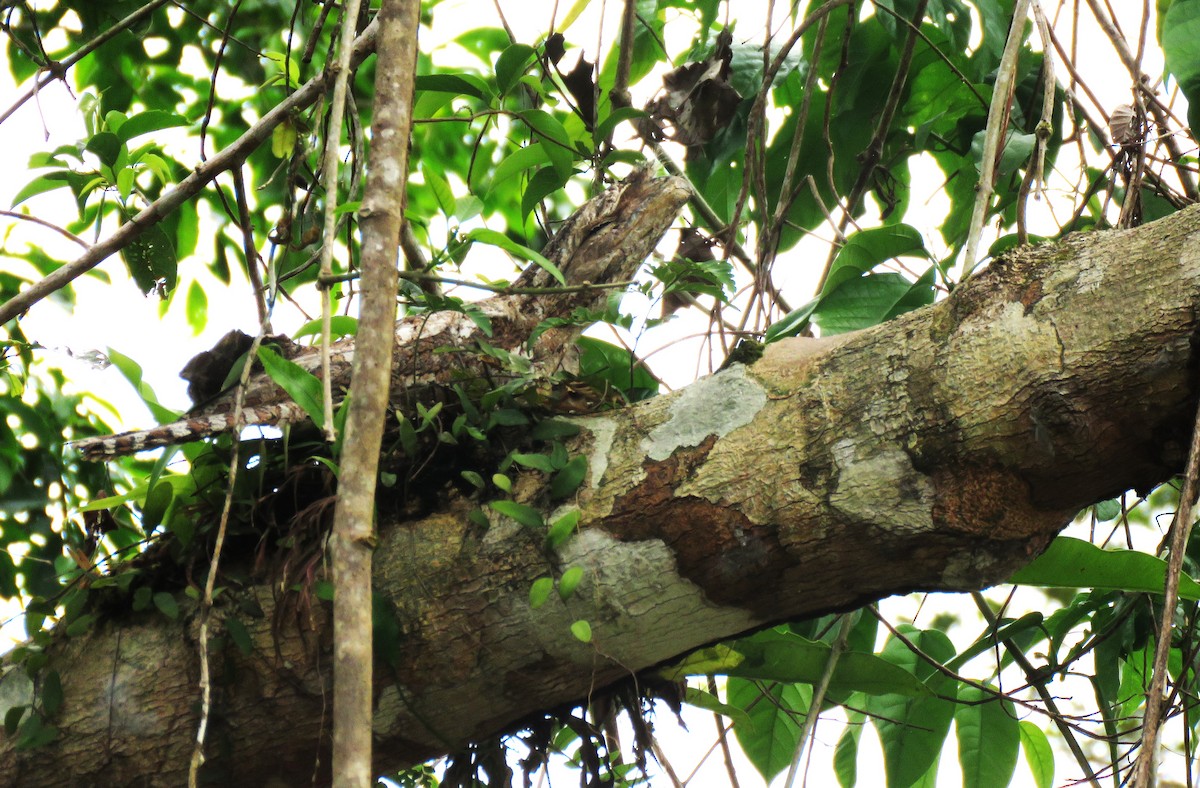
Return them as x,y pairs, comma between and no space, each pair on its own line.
716,405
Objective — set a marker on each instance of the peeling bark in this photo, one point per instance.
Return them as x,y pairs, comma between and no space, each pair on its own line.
939,451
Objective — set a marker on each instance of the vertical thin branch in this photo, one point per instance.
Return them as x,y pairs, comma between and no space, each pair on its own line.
206,601
997,124
353,538
1181,528
333,139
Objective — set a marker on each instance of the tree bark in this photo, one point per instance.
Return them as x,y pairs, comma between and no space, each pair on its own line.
939,451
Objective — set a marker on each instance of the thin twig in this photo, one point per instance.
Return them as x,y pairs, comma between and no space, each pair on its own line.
70,236
818,696
206,602
333,145
1181,528
58,69
152,214
1033,676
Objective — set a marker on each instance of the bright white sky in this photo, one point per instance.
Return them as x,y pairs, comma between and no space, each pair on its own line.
120,317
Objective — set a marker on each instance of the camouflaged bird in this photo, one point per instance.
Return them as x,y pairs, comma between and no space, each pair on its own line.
605,241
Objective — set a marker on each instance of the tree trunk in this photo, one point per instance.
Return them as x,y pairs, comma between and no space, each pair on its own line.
939,451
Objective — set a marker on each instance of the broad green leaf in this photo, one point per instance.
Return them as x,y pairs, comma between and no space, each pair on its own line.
582,631
868,248
562,528
512,64
567,481
1074,563
569,581
988,738
774,716
52,693
1181,48
197,308
239,635
712,660
865,301
107,147
300,384
792,323
539,462
155,507
148,121
150,258
40,184
779,656
493,238
166,604
440,187
133,373
540,591
708,702
460,84
845,755
913,730
525,515
339,326
1038,754
519,161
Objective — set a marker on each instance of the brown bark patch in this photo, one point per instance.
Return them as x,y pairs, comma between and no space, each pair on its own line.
988,502
715,546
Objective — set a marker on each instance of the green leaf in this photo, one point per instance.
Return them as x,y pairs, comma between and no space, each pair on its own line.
239,635
582,631
567,481
300,384
440,187
1074,563
703,700
132,371
473,478
52,693
41,184
148,121
988,738
792,323
868,248
1108,510
562,528
711,660
166,604
554,428
868,301
502,481
774,713
461,84
339,326
539,592
107,147
1181,49
772,655
569,581
845,755
197,308
511,64
912,730
525,515
493,238
150,258
1038,754
155,507
539,462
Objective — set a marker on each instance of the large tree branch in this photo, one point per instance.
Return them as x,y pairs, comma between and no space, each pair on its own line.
941,450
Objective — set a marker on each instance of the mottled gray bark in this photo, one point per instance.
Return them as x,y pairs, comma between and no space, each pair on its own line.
941,450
